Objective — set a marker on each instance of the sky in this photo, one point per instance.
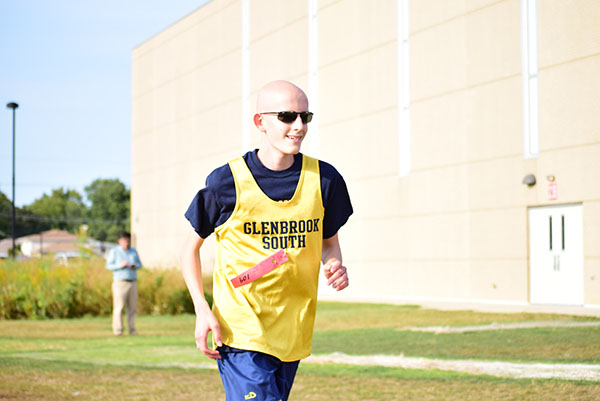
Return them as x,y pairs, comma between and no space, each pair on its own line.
67,63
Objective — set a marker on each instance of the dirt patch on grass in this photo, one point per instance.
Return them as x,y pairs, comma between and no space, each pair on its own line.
60,381
343,388
497,368
567,371
57,381
500,326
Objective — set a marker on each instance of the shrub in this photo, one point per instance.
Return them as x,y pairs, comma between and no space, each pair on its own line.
163,291
42,288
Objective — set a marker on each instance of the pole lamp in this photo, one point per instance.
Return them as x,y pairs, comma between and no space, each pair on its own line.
13,106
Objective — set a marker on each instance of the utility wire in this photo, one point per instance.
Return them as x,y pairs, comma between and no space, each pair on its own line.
47,219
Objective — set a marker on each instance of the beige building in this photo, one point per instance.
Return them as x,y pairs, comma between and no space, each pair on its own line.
439,114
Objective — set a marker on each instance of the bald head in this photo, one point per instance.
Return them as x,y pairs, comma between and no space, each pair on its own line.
281,96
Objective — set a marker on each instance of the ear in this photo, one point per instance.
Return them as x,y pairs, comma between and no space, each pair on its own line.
258,122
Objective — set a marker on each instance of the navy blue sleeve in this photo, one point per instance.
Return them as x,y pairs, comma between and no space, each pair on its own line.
336,199
213,204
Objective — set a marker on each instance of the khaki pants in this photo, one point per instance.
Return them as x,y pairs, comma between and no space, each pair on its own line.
124,295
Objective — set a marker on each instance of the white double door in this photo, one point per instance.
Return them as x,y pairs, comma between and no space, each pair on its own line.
556,254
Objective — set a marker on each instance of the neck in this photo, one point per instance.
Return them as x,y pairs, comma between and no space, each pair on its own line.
275,160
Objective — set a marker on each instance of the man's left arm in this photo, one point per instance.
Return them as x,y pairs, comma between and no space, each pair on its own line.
335,272
137,261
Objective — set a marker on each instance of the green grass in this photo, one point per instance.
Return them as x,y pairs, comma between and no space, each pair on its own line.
363,329
560,344
341,316
169,340
81,359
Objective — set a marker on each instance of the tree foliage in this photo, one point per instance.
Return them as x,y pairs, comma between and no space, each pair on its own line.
109,210
5,216
63,209
26,222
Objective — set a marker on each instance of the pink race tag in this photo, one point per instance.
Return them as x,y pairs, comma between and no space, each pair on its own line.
260,269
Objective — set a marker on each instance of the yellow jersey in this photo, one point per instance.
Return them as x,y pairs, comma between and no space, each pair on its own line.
275,313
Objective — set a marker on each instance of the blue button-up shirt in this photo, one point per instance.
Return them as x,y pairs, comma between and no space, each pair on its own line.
115,259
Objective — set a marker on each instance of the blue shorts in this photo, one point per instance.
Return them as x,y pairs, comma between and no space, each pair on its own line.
250,375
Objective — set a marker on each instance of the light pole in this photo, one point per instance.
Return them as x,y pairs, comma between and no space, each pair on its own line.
13,106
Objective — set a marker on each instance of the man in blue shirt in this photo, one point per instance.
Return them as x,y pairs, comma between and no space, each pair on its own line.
124,261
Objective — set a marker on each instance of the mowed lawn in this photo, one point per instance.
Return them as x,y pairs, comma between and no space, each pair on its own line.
81,360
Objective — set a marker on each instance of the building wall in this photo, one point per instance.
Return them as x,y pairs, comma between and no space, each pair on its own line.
456,227
186,121
569,58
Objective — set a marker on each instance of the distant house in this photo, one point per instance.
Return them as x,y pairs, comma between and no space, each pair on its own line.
57,242
5,246
51,241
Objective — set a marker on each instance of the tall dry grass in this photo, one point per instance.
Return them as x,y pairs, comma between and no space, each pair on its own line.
44,288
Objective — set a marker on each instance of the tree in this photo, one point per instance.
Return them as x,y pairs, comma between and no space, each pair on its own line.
5,216
63,209
26,222
109,210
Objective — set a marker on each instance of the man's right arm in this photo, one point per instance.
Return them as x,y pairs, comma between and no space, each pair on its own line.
191,268
112,261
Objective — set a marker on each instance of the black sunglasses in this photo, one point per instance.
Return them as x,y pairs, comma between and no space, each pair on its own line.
291,116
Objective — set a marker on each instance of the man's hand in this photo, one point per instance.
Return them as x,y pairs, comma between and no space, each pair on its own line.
124,264
206,322
336,274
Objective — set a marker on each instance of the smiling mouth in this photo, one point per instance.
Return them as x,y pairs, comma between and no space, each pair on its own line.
294,137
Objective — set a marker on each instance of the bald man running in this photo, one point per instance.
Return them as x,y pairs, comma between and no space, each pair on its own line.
276,214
